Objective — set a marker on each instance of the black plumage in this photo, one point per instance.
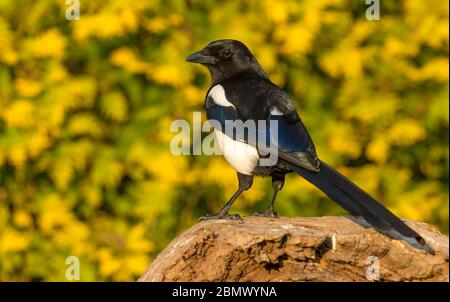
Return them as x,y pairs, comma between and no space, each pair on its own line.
241,91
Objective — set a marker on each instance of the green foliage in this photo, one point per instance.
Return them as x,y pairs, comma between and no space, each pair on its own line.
86,108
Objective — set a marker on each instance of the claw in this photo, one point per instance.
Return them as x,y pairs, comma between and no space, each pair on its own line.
268,213
221,216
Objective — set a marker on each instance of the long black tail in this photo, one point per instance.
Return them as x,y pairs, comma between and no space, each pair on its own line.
352,198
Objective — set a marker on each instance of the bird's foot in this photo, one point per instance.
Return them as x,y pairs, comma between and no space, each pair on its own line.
269,213
221,216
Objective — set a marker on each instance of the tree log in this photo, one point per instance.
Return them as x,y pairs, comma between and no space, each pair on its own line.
298,249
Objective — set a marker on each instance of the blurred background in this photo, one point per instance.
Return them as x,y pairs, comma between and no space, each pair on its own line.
86,108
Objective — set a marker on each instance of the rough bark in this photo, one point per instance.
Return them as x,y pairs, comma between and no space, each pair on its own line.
297,249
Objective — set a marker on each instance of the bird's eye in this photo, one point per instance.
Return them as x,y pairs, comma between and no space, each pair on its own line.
225,53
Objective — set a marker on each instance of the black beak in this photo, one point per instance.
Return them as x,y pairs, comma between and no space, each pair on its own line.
198,57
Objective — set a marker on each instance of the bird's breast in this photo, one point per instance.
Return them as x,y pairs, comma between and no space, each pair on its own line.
241,156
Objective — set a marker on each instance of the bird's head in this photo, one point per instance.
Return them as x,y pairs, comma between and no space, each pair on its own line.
225,58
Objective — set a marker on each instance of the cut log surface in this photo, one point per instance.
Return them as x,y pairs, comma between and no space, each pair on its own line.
297,249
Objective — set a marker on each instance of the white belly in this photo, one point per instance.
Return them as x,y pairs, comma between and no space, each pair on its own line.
242,157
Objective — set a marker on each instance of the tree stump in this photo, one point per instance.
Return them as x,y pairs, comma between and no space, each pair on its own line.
297,249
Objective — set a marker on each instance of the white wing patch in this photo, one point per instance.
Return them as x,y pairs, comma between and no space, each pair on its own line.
218,96
241,156
275,111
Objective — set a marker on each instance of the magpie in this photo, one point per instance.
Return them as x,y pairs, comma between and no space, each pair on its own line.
241,91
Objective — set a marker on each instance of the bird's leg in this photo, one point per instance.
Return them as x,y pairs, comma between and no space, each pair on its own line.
223,214
277,184
245,182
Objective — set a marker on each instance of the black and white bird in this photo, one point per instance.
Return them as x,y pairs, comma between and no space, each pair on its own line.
241,91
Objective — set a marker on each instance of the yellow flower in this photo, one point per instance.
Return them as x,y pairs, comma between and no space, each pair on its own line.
221,173
7,54
54,214
106,24
108,263
277,13
61,173
346,61
378,150
57,73
22,219
133,264
406,132
343,140
394,47
13,241
49,44
167,168
128,19
136,242
27,88
72,234
37,143
165,74
435,69
194,95
114,106
127,59
295,38
155,25
20,114
17,156
92,194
